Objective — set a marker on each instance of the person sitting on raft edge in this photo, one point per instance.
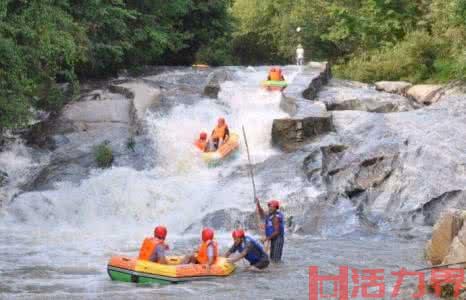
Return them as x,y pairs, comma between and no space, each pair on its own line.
220,134
202,143
249,249
207,252
153,249
274,228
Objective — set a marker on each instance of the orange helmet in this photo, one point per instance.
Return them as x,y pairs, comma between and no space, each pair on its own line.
160,232
203,136
274,203
207,234
238,233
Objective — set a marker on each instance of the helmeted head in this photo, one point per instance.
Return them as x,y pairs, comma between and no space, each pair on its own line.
273,205
160,232
221,121
207,234
238,236
203,136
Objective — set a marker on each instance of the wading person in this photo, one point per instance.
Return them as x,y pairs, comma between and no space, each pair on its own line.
249,249
274,228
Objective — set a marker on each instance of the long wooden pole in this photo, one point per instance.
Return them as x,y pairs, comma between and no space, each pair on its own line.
251,173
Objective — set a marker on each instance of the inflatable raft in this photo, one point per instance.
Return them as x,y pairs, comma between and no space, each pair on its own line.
214,158
127,269
274,85
200,66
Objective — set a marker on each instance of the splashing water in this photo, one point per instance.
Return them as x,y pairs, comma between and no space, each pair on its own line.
56,243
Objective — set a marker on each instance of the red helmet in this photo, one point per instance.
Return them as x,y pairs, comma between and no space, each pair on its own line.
203,136
207,234
160,232
238,233
274,203
221,120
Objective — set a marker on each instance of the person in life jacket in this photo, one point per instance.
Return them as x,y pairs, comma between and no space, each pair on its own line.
220,134
274,228
275,74
249,249
202,143
207,252
153,249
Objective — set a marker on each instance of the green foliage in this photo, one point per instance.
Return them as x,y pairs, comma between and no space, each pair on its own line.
44,43
412,59
103,155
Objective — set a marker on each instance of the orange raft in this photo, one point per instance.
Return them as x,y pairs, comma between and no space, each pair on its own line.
127,269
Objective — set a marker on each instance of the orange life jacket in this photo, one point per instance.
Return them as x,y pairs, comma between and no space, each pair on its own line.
202,256
276,75
148,246
202,145
219,132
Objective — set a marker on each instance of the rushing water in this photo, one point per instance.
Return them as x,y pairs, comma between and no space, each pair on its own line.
56,243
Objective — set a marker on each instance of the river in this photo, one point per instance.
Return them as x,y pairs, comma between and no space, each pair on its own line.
56,243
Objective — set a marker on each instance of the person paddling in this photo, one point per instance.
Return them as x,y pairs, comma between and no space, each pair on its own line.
207,252
274,228
153,249
220,134
249,249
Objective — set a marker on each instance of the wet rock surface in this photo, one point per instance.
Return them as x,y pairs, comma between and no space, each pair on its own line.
215,79
386,159
395,87
339,95
448,242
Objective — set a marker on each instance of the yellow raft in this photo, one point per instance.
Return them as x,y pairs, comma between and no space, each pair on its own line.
215,157
127,269
200,66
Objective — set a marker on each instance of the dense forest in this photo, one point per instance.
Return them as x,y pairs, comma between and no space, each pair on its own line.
46,45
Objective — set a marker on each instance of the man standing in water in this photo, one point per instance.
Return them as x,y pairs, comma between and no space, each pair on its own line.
274,228
300,55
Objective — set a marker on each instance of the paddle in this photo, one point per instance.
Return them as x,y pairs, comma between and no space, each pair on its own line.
251,173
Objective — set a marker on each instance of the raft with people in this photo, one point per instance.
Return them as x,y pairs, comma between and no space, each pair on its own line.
275,80
221,144
126,269
152,266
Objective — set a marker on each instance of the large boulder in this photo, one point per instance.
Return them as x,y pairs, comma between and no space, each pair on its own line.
144,97
425,94
290,133
99,111
394,87
214,80
226,219
443,233
340,95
